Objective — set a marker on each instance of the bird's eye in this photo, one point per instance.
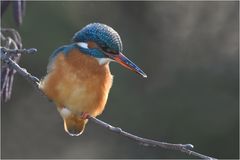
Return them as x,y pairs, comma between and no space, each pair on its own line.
108,50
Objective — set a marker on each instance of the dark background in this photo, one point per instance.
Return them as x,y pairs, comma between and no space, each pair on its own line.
189,51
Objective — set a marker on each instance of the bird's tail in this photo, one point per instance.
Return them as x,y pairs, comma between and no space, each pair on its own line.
74,125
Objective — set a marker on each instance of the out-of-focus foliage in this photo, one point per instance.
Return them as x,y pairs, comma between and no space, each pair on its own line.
189,51
18,8
11,39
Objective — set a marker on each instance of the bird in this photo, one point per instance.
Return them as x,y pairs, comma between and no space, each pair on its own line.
78,78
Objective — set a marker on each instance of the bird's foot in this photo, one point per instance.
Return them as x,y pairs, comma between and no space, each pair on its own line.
84,115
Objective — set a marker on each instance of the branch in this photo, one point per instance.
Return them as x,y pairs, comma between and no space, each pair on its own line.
11,39
23,72
185,148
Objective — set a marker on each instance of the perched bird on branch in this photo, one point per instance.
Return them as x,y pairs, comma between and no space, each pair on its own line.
79,78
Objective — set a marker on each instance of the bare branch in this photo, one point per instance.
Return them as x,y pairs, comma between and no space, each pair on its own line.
10,39
185,148
21,51
23,72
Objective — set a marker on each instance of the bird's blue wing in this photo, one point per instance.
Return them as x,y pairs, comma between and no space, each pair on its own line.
63,49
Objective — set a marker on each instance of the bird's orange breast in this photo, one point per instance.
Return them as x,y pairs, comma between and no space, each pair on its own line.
78,82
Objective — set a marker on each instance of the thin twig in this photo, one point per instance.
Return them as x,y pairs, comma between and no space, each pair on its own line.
21,51
10,39
185,148
23,72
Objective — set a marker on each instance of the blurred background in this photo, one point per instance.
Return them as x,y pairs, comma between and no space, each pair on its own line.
189,51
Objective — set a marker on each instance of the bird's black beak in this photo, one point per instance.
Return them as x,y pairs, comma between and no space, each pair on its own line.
124,61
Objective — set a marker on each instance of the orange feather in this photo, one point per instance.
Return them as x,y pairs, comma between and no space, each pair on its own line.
78,82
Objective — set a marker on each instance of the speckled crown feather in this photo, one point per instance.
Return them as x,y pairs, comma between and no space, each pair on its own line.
101,34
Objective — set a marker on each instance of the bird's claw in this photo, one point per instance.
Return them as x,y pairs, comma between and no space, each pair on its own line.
84,115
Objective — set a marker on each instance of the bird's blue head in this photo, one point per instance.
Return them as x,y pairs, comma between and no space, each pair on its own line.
103,42
104,36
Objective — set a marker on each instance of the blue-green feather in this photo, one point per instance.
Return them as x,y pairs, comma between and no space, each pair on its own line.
67,48
102,34
63,49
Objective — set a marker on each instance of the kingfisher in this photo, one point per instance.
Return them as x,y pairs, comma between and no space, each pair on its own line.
78,77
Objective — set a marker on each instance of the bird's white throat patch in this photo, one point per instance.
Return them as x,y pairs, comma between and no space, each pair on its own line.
102,61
